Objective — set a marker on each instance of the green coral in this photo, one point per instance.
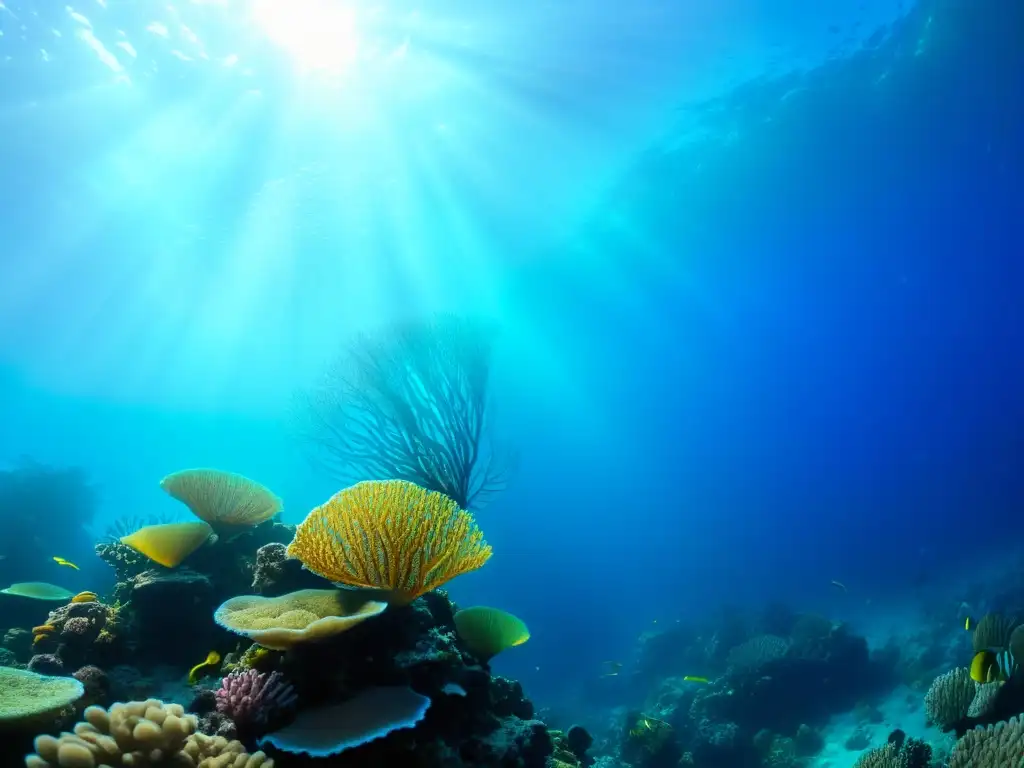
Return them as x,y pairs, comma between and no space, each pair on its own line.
26,695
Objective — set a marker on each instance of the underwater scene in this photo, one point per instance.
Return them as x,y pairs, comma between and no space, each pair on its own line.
437,383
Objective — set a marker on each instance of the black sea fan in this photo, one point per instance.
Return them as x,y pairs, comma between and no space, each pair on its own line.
410,403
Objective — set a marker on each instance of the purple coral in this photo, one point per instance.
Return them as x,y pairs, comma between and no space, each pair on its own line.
252,698
77,625
46,664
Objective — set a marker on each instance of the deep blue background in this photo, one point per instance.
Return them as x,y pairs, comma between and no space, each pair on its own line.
792,353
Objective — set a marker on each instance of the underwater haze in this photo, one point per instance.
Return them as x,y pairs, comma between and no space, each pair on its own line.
753,269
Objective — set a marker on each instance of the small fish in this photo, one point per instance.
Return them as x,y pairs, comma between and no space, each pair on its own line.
612,668
695,679
992,666
85,597
839,585
967,623
212,660
66,563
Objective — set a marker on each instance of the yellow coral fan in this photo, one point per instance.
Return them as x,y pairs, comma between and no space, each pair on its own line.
230,503
169,543
280,623
489,631
390,535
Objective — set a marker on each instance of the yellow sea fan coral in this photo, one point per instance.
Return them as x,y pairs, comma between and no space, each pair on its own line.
168,543
390,535
230,503
280,623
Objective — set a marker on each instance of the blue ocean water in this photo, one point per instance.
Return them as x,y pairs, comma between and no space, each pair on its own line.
755,264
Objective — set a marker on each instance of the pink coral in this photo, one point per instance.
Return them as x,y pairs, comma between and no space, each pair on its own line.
252,698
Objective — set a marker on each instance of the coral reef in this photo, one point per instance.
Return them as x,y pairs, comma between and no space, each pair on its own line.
140,733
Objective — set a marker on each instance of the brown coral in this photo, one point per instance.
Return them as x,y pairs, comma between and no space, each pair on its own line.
998,746
993,632
390,535
145,734
949,698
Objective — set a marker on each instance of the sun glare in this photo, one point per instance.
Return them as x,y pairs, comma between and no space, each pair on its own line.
319,35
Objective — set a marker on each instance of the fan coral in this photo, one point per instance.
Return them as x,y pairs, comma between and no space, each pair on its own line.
949,698
252,698
410,403
993,631
390,535
169,543
230,503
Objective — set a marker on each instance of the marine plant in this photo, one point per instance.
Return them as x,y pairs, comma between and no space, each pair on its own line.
410,403
391,536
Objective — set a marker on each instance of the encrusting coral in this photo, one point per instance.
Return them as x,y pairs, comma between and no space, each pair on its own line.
280,623
144,734
391,536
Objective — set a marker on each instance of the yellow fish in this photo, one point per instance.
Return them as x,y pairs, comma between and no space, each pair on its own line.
967,623
695,679
85,597
992,667
67,563
212,660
